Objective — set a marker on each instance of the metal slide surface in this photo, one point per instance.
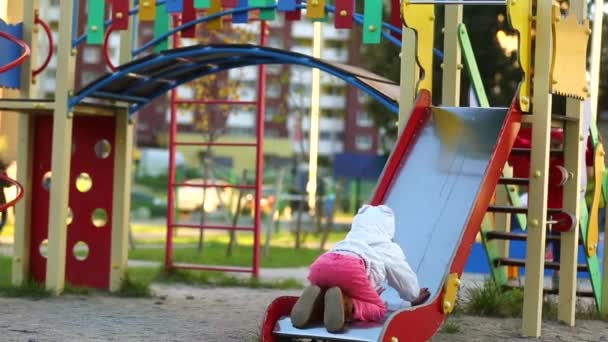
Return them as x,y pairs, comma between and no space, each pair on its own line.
433,195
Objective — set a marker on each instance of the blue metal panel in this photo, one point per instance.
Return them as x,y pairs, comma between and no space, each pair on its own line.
358,166
175,6
242,15
10,52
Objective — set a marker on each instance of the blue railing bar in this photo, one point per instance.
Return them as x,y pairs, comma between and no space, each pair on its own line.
127,98
171,73
292,59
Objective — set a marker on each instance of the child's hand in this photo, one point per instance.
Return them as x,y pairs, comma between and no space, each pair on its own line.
422,297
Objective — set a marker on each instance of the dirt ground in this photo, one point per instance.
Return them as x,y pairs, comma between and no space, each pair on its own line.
183,313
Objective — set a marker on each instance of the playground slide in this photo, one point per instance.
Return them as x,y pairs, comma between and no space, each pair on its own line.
439,181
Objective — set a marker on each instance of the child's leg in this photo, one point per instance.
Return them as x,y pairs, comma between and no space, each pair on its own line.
349,274
367,302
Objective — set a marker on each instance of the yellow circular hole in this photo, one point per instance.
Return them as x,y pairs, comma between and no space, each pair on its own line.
84,182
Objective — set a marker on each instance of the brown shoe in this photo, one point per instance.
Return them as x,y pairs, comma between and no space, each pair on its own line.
308,308
338,310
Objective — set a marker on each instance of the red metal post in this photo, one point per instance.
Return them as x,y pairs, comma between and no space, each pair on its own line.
259,153
171,176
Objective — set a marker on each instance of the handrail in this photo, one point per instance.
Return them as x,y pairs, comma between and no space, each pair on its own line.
49,36
4,177
26,52
106,48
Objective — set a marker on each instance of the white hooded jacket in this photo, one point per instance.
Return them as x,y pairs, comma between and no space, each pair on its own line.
370,237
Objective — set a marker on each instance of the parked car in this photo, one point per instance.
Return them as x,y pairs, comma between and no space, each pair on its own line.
146,205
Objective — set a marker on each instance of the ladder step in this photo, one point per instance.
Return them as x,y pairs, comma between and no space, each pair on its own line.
518,210
579,293
187,266
235,144
211,226
514,181
561,117
207,185
216,102
525,151
552,265
496,235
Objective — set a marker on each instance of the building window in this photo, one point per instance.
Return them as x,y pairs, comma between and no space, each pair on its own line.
273,90
364,120
363,142
91,55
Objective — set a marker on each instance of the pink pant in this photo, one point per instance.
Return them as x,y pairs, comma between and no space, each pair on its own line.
348,273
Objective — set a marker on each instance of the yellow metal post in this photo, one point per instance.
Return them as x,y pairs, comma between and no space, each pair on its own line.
408,77
60,161
315,99
123,151
123,161
574,145
21,246
539,164
450,92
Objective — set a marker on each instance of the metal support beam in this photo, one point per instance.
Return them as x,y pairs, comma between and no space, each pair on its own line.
315,98
21,245
574,147
408,77
123,147
450,91
539,166
62,143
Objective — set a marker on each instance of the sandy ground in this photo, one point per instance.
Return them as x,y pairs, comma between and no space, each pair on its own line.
183,313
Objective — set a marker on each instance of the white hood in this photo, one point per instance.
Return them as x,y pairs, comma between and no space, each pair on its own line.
370,237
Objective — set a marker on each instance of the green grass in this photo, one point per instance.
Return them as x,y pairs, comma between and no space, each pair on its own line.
491,300
28,290
450,328
148,275
281,238
215,254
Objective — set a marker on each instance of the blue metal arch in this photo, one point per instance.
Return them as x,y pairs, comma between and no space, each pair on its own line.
240,56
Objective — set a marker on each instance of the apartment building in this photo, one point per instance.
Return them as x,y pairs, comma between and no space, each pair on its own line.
345,125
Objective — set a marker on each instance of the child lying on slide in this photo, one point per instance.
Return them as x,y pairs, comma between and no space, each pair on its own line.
346,281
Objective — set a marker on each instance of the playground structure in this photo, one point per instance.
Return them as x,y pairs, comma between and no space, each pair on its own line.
75,138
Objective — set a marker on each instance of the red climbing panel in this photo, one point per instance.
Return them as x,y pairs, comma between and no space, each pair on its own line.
90,202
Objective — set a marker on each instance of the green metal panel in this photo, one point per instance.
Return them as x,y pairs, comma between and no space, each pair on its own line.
268,14
161,26
95,27
372,21
202,4
499,274
257,3
595,272
471,66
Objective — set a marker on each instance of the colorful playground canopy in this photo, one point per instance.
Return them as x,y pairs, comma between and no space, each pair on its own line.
142,80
